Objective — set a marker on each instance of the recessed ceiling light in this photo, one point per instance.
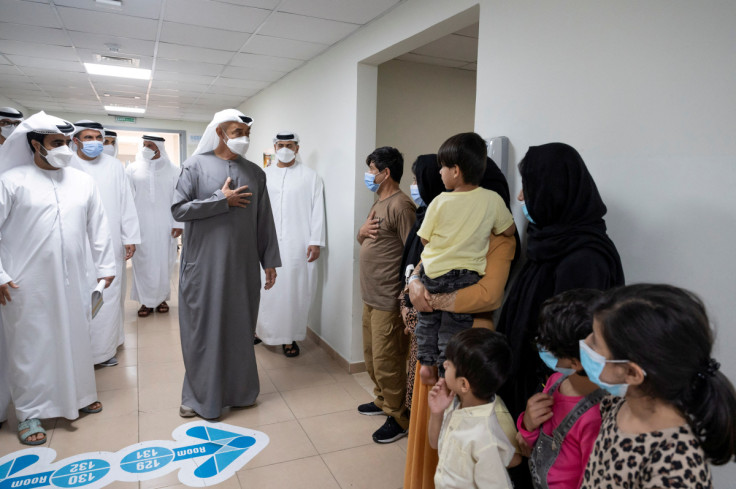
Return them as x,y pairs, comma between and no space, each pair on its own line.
119,71
114,3
132,110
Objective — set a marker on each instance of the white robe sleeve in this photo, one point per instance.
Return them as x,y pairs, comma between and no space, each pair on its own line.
130,230
6,202
98,233
317,221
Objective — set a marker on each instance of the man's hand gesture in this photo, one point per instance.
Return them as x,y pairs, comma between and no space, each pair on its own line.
238,197
5,292
369,229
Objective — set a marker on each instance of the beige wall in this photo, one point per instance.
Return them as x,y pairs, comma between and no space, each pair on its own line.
421,105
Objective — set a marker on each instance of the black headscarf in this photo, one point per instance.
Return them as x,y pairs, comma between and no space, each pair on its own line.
430,185
567,248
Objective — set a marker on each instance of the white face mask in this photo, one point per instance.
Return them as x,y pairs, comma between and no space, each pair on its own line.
285,155
6,131
239,146
58,157
148,154
110,149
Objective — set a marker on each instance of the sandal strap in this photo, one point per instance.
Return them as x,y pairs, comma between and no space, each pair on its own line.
33,426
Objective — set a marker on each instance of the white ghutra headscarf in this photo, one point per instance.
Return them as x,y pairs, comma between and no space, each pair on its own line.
210,139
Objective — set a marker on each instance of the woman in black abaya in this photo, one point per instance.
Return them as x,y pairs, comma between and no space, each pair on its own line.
567,248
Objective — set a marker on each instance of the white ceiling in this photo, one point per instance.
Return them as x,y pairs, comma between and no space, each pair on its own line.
206,55
457,50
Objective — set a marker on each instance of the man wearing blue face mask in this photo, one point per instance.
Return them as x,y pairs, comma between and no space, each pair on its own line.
107,332
382,239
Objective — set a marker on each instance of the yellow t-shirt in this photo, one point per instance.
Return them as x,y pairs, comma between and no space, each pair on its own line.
457,226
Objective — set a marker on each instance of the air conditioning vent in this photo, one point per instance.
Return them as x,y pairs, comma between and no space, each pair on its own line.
118,60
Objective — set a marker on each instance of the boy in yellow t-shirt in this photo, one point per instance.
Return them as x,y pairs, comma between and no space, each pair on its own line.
456,232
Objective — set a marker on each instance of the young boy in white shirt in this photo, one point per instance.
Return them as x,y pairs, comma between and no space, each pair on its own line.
456,232
473,449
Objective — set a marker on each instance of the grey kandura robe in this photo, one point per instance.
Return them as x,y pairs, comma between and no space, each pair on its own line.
220,280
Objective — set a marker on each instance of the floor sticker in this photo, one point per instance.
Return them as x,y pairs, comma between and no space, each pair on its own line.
204,454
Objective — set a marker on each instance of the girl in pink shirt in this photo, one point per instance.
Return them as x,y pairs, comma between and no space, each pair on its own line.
560,424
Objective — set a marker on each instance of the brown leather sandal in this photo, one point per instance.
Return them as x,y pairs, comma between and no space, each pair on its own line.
144,312
163,307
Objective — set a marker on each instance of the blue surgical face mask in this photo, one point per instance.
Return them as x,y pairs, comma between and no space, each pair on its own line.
526,213
93,149
551,361
370,182
416,197
594,363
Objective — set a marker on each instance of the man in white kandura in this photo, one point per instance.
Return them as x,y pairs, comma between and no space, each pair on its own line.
107,331
153,179
298,207
110,145
49,215
10,118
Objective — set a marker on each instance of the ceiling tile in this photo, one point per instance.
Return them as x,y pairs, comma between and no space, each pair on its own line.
9,70
189,68
29,13
30,33
216,88
250,60
267,4
48,64
215,14
149,9
470,31
89,56
38,50
190,53
108,23
451,47
235,82
284,48
258,74
41,75
204,37
431,60
303,28
124,45
355,11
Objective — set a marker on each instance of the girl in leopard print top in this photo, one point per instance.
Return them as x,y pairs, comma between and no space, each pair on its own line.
672,412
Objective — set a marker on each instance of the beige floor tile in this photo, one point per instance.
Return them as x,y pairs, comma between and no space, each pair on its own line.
110,378
290,378
153,355
127,357
131,326
122,485
403,443
118,402
272,357
9,442
339,431
152,375
288,441
368,467
157,338
338,372
305,473
357,391
265,382
323,399
159,425
269,409
160,397
131,341
168,480
91,434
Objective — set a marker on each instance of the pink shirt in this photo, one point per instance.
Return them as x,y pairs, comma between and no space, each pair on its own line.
567,471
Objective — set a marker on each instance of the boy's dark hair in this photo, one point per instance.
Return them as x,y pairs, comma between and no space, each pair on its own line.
387,157
564,320
467,151
483,357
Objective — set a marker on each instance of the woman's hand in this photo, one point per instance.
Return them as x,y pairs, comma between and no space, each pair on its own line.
419,296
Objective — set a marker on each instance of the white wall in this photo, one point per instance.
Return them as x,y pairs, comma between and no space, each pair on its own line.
191,128
420,106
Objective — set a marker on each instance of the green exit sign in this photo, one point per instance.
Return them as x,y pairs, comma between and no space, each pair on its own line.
125,118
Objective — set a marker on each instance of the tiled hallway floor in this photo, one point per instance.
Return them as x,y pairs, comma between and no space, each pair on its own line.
307,407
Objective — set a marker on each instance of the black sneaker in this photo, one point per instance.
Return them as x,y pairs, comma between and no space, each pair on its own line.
389,432
370,409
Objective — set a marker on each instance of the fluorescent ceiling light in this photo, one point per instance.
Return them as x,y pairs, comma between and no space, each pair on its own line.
119,71
132,110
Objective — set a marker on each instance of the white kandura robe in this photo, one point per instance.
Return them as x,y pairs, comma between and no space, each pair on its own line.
153,187
107,331
297,202
48,219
